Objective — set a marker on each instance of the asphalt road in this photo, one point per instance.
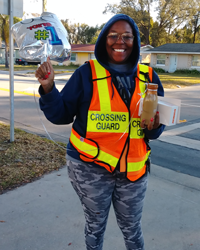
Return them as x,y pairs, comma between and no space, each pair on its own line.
181,158
27,114
180,152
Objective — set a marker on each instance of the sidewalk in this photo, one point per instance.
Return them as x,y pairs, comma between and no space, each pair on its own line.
47,215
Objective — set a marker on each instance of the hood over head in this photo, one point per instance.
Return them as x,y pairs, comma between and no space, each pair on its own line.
100,47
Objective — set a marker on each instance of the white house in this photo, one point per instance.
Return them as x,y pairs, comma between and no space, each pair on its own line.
173,56
145,56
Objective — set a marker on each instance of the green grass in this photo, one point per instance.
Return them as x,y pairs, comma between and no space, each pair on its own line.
171,80
27,158
62,68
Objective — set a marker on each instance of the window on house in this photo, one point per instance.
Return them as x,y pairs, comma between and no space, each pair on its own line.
196,61
73,57
92,56
161,59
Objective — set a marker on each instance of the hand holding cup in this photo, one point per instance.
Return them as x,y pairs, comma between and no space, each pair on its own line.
153,123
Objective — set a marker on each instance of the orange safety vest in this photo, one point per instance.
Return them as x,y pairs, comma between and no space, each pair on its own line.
113,131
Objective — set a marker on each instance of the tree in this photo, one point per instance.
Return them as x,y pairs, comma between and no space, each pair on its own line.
195,25
79,33
171,14
71,30
90,33
5,33
5,36
139,11
185,34
1,31
95,37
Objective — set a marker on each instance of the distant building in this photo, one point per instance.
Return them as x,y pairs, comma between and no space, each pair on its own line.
80,53
2,52
145,56
173,56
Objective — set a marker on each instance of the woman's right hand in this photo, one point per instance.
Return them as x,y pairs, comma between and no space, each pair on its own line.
153,123
45,75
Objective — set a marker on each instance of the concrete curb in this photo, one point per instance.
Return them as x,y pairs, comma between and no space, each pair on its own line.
175,177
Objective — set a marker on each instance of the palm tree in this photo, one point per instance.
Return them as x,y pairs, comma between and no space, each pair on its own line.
4,33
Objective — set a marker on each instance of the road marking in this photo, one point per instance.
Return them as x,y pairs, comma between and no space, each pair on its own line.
181,130
21,92
170,136
190,105
181,141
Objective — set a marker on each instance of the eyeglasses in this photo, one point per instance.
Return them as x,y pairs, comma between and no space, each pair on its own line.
126,37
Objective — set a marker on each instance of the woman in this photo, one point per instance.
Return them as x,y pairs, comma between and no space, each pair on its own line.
108,152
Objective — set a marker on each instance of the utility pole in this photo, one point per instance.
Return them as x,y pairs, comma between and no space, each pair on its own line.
11,72
44,5
11,8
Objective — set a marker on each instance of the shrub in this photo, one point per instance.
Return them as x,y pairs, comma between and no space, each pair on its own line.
73,64
159,70
187,71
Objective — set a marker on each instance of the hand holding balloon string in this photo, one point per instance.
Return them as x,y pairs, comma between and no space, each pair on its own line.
45,75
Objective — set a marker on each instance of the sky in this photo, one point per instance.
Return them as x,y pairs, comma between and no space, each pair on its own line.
89,12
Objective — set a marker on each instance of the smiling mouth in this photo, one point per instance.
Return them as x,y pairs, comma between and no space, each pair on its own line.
119,50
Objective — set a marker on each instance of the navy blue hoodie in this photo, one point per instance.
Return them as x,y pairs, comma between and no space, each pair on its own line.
72,103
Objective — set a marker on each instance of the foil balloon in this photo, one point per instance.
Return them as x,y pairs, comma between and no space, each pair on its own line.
40,37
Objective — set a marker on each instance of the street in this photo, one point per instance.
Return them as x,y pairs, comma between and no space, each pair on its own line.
177,148
27,113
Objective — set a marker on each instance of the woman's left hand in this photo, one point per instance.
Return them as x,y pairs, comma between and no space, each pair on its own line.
153,124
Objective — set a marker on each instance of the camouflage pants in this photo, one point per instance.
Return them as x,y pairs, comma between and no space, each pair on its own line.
97,188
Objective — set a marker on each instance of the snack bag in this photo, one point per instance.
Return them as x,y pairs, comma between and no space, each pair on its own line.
40,37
